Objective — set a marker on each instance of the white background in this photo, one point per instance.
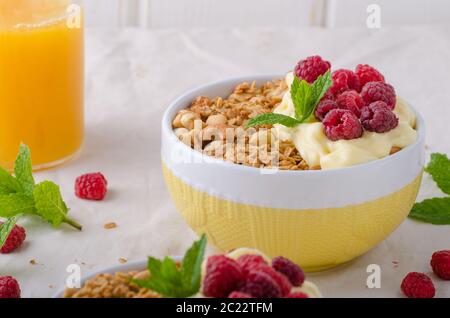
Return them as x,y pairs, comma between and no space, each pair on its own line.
244,13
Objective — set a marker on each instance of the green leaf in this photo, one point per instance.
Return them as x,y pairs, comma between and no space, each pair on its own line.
271,119
191,267
439,169
6,228
50,205
320,87
301,94
16,203
23,170
8,184
435,211
170,281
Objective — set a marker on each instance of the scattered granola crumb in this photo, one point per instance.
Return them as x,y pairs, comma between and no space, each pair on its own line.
122,260
51,286
111,225
33,262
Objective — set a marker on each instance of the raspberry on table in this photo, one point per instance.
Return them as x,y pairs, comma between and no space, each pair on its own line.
324,107
342,124
378,91
223,275
367,73
250,261
91,186
260,285
377,117
352,101
14,240
311,68
440,262
9,287
418,285
289,269
344,80
237,294
297,295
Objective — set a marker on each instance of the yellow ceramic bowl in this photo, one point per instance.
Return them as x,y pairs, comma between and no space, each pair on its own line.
317,218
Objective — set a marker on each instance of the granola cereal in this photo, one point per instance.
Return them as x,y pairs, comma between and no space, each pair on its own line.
214,116
116,285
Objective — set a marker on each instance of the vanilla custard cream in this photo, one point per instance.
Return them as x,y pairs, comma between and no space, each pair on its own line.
319,151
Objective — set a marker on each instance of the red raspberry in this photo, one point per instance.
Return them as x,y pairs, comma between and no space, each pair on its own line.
14,240
375,91
344,80
223,275
378,117
324,107
440,262
418,285
237,294
367,73
249,262
9,287
91,186
311,68
281,280
260,285
352,101
289,269
297,295
342,124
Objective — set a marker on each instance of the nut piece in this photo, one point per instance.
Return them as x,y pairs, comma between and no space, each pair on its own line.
187,120
215,120
180,132
142,275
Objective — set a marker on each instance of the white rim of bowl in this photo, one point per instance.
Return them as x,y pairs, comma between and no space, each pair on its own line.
175,105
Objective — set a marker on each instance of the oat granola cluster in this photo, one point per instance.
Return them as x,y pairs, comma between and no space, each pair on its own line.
204,126
116,285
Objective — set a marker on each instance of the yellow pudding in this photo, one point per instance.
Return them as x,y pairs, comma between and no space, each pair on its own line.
41,81
319,151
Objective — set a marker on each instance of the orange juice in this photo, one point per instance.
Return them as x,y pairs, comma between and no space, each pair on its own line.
41,81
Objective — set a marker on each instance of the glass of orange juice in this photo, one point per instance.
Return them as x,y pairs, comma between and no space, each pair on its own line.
41,80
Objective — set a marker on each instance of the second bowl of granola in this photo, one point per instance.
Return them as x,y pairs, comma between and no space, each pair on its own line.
318,218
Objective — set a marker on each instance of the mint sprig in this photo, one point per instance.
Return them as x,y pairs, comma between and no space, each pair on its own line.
439,169
305,98
435,210
20,196
170,281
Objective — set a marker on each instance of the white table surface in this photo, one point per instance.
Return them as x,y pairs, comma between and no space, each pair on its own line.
132,75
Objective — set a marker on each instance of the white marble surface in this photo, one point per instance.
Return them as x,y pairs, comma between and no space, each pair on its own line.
133,74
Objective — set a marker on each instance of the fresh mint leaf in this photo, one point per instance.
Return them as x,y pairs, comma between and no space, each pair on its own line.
167,279
439,169
50,205
191,267
23,170
434,211
305,98
15,203
8,184
156,281
6,228
301,94
271,119
320,88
